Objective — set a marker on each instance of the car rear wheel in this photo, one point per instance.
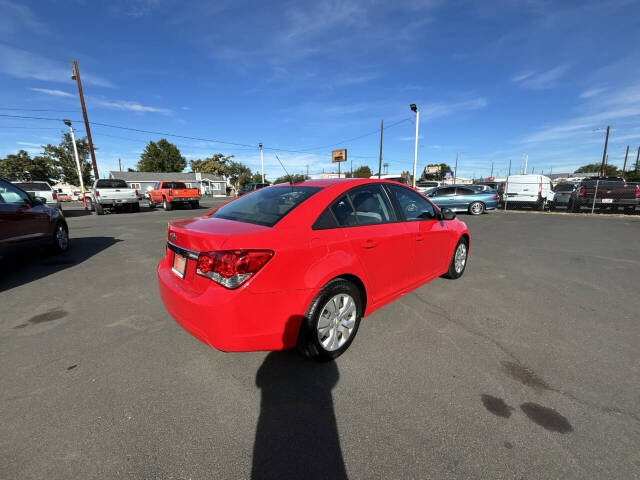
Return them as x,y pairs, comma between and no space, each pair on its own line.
195,204
331,322
458,260
99,209
60,242
166,205
136,207
476,208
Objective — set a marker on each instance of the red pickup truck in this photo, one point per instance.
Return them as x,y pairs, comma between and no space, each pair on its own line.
170,193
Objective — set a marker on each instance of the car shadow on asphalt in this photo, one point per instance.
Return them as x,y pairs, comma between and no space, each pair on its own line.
28,265
297,434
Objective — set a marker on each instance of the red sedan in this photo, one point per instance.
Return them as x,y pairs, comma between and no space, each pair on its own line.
301,264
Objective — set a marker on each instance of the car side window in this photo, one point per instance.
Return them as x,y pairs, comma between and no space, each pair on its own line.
413,205
444,192
11,194
371,205
343,212
464,191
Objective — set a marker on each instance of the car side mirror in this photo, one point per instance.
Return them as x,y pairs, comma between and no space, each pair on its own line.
39,200
447,214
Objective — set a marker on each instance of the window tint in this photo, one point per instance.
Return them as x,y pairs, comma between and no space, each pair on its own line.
115,183
343,211
564,187
413,205
266,206
371,205
443,192
176,185
325,220
464,191
11,194
33,186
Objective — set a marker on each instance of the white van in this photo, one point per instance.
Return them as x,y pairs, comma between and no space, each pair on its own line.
528,190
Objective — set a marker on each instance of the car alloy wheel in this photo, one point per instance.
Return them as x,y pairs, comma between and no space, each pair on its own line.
460,258
476,208
336,321
61,238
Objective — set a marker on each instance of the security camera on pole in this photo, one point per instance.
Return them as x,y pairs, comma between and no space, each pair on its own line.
75,151
414,108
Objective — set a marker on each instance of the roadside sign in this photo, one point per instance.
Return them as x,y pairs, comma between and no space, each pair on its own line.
448,175
339,156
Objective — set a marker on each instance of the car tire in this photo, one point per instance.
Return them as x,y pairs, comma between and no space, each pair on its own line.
166,205
458,265
99,209
136,207
476,208
151,204
90,206
541,205
195,205
322,331
60,240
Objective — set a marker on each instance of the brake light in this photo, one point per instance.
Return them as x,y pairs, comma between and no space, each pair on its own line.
231,268
581,192
55,196
496,197
540,188
137,194
97,193
637,191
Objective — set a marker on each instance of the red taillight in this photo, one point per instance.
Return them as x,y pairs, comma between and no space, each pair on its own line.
231,268
581,192
637,191
97,193
540,188
55,196
496,197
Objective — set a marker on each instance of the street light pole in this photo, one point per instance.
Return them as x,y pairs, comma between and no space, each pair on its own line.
75,152
414,108
261,161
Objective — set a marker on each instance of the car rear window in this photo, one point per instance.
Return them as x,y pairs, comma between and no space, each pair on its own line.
564,187
111,183
176,185
266,206
33,186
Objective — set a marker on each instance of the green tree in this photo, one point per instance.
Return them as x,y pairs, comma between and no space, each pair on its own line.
361,172
443,168
22,167
610,170
162,156
63,157
216,165
238,174
296,177
257,178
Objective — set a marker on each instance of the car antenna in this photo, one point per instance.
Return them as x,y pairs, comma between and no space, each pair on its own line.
285,170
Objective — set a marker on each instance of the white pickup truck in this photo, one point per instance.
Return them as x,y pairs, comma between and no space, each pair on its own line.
41,189
112,194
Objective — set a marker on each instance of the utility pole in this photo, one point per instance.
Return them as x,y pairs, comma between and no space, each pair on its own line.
119,164
307,171
76,77
380,159
637,158
261,161
415,150
624,167
75,152
604,153
491,170
352,168
455,170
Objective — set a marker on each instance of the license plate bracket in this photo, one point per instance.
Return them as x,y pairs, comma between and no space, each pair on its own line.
179,265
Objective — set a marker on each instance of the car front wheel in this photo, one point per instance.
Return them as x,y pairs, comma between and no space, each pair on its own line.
331,322
458,260
60,242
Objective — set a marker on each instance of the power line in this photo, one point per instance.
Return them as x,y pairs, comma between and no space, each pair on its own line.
20,109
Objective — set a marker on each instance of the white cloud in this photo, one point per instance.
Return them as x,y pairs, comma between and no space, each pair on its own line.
533,80
128,106
16,16
185,108
435,110
592,92
23,64
55,93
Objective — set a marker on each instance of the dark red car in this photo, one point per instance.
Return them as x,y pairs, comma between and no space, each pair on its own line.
301,264
27,221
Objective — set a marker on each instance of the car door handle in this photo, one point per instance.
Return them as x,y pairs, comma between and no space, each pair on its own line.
419,238
369,244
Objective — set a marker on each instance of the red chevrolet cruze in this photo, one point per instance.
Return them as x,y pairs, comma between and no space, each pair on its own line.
301,264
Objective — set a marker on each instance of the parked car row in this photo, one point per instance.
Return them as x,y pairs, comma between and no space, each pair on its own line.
611,193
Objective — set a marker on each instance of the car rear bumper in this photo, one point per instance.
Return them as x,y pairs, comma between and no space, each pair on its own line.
184,199
233,320
614,202
119,201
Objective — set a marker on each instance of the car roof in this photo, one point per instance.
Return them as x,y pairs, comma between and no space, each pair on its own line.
328,182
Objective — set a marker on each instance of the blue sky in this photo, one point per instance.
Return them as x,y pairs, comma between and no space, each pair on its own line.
493,80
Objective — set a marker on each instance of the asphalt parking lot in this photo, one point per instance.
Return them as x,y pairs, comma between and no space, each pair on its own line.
526,367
